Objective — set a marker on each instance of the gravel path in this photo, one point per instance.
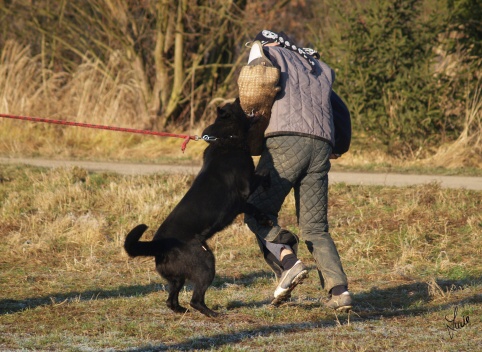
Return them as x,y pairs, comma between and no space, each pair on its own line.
355,178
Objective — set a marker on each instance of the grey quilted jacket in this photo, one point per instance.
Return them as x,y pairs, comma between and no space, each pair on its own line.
302,107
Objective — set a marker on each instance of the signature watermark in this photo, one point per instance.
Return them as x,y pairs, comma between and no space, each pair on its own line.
456,324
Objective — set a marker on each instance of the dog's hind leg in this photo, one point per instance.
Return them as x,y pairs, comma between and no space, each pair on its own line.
175,286
197,300
202,279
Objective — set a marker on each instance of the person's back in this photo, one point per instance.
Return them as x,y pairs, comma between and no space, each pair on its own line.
303,105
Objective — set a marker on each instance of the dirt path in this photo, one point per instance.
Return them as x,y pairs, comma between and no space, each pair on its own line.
387,179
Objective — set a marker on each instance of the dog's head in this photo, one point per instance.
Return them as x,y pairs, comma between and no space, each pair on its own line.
231,125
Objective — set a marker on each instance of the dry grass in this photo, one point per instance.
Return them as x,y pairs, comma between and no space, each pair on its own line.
106,95
111,94
412,255
467,149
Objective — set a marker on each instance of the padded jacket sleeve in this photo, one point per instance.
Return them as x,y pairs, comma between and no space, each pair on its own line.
342,121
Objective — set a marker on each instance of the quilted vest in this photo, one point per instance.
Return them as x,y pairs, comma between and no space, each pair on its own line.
302,107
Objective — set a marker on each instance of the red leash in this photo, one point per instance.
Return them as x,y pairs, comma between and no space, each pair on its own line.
186,138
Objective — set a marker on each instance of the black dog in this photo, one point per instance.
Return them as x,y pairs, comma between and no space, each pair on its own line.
218,194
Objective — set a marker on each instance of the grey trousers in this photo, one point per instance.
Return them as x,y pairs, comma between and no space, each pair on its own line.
302,164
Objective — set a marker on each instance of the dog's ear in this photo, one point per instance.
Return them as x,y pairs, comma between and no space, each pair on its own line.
222,113
238,107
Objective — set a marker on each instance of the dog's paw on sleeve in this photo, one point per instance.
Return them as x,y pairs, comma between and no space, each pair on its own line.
265,178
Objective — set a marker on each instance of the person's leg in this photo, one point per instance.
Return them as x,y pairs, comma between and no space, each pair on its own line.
269,201
312,204
285,158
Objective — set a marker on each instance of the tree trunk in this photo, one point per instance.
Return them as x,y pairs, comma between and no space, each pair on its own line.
161,86
178,80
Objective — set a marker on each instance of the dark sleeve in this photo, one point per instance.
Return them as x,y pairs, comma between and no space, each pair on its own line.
342,120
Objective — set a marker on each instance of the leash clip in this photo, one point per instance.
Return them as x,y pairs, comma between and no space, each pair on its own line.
208,138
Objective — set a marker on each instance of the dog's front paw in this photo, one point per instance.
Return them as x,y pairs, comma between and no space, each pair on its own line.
266,183
264,176
266,223
264,220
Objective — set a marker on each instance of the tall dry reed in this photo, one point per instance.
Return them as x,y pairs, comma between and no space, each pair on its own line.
95,93
467,149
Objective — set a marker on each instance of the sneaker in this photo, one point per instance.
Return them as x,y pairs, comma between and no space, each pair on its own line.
289,280
341,302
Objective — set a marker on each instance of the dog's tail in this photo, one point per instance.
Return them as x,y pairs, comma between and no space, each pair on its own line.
136,248
132,245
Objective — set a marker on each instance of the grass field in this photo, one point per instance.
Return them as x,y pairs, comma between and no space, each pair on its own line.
412,256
